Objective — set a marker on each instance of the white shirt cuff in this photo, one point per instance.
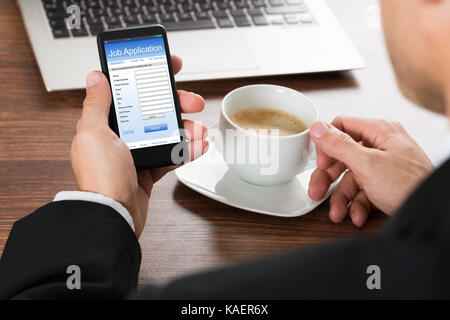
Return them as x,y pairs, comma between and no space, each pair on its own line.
97,198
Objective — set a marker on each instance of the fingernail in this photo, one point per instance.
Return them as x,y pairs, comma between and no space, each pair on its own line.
318,129
205,133
92,79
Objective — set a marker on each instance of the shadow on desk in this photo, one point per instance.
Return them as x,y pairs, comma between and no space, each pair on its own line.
301,82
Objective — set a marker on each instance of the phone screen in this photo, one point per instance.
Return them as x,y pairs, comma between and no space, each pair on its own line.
142,91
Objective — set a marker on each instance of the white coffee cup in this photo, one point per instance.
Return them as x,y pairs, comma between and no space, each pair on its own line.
263,159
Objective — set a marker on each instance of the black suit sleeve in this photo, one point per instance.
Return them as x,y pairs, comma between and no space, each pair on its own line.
412,253
91,236
333,271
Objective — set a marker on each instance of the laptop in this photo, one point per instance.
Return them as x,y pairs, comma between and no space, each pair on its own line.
217,39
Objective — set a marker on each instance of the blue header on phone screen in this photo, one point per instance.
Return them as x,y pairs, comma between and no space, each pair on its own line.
135,49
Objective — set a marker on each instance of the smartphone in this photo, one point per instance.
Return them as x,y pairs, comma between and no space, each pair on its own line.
145,111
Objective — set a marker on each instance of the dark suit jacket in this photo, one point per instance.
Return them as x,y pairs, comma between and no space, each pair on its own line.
412,252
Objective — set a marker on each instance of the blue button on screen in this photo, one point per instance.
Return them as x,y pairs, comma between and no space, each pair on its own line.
155,127
124,132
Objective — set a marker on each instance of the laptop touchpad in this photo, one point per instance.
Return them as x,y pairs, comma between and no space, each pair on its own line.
212,52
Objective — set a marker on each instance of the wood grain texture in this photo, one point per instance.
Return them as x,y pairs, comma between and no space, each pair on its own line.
186,232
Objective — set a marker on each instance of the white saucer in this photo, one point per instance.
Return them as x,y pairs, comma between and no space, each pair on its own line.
210,176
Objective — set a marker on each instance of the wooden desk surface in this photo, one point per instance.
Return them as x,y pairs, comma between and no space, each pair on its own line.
185,231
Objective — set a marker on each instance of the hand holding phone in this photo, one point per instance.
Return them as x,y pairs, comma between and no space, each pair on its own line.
145,111
103,163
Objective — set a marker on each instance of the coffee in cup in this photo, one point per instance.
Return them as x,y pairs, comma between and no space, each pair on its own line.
269,121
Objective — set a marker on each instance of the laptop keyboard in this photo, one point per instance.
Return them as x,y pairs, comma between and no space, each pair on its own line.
175,15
